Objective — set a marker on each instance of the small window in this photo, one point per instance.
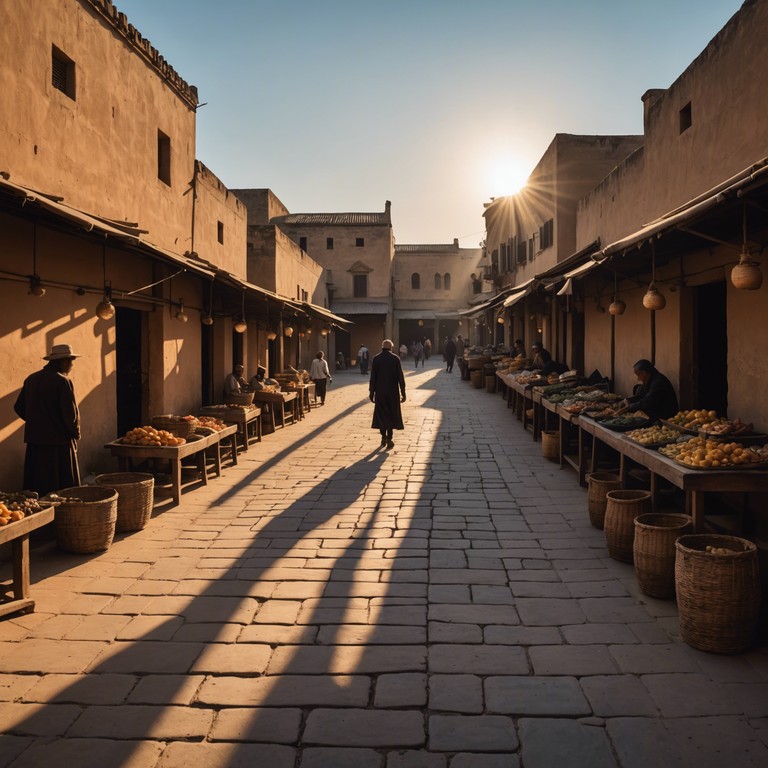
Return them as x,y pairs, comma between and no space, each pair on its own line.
686,119
164,158
329,243
220,231
415,281
62,73
438,281
303,243
298,293
546,234
531,250
304,295
359,242
360,284
447,281
522,252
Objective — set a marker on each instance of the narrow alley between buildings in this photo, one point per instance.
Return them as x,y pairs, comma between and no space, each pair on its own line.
329,604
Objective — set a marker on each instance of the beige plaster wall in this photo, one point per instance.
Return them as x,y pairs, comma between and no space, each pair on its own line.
99,152
262,205
460,265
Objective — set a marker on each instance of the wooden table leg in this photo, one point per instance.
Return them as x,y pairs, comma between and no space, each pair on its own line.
582,459
217,458
233,448
258,427
202,466
654,492
20,548
176,479
697,510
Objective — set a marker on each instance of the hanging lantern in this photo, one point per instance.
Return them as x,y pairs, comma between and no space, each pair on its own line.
617,307
500,319
206,319
746,275
240,326
271,336
325,332
421,322
288,330
105,309
181,315
36,286
309,331
654,299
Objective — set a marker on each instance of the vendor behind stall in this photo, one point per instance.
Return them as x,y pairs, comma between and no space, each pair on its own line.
543,362
518,349
235,381
655,394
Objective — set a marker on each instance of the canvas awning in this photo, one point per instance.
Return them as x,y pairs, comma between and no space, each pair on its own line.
325,314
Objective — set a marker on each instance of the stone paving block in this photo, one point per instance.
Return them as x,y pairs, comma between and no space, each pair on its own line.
612,610
618,696
539,589
653,659
474,614
49,656
478,660
182,754
55,627
572,660
466,576
517,574
12,746
90,753
540,612
149,627
454,633
546,743
534,696
98,627
472,733
13,687
279,726
612,588
413,758
278,612
37,719
690,695
143,722
492,595
287,690
456,693
81,689
208,633
146,657
470,760
364,728
166,689
520,635
592,634
372,635
346,659
227,659
330,757
408,689
752,698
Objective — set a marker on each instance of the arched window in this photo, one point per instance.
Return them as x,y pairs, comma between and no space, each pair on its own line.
438,281
447,281
415,281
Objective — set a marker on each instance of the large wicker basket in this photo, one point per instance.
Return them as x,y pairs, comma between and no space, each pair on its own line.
135,498
550,445
87,525
718,595
654,551
176,426
476,377
599,484
622,507
240,398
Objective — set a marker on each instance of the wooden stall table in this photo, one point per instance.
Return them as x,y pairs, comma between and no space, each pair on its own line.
17,533
128,454
568,423
245,421
693,482
227,435
286,402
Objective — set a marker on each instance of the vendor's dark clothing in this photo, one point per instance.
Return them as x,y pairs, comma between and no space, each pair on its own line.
47,405
450,354
657,398
387,384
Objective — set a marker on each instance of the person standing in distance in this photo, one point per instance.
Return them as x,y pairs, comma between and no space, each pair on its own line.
386,392
320,374
449,352
47,405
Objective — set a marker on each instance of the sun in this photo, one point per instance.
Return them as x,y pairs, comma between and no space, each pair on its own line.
507,175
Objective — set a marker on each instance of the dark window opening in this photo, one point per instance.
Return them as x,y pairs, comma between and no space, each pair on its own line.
546,234
438,281
415,281
62,73
329,243
360,286
522,252
686,119
164,158
303,243
359,242
447,281
220,231
304,295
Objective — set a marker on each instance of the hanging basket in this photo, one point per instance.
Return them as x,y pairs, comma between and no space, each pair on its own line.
654,551
135,498
599,483
654,299
550,445
746,275
86,525
622,507
617,307
718,593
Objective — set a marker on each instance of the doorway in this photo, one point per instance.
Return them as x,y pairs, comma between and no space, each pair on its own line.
130,393
710,347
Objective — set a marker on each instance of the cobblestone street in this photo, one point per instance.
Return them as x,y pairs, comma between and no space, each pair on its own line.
328,604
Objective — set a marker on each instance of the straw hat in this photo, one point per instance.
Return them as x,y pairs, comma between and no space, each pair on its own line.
61,352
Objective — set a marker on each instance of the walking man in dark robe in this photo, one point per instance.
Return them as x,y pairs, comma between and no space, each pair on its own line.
47,405
387,391
449,352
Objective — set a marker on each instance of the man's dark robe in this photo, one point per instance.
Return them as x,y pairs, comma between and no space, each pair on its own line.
450,352
47,405
657,398
386,385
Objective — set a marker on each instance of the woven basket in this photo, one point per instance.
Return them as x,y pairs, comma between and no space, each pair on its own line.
550,445
476,377
135,498
622,507
490,383
175,426
87,525
654,552
599,484
718,596
240,398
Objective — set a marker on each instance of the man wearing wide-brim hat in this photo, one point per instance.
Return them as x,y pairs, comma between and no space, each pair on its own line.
47,405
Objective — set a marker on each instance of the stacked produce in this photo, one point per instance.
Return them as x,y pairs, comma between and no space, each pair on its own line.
693,419
151,437
727,427
706,453
25,501
654,435
209,422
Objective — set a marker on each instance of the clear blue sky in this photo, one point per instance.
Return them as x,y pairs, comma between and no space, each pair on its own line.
339,105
